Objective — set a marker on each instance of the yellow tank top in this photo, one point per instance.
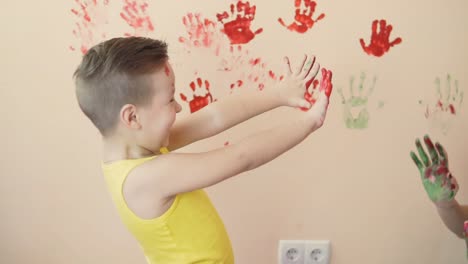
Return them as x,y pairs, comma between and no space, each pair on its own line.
190,231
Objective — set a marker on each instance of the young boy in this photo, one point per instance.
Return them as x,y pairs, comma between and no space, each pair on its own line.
126,87
441,187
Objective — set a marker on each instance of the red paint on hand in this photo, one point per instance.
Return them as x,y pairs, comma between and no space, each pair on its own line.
240,18
379,43
198,102
303,17
326,86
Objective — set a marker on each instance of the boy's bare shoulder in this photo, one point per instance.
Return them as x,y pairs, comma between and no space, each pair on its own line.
143,188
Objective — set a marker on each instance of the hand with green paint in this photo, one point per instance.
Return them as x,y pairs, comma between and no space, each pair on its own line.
439,183
465,234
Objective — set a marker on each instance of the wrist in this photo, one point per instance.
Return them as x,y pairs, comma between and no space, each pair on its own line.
446,204
275,96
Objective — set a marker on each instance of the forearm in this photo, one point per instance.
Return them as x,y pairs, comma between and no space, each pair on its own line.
242,106
265,146
453,216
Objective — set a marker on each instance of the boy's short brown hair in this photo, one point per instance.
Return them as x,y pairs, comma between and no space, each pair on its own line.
114,73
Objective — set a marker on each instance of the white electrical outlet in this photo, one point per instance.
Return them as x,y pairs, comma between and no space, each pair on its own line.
304,252
291,252
317,252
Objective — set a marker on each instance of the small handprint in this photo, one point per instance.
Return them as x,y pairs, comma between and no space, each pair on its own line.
379,43
438,182
202,32
357,103
449,101
91,16
201,96
303,18
238,28
134,13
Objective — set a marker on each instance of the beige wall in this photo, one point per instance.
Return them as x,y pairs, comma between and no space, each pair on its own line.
357,188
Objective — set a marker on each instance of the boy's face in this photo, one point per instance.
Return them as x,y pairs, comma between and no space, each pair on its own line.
158,117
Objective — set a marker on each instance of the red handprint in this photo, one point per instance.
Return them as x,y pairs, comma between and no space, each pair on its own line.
238,30
303,18
198,101
379,43
135,15
201,32
91,16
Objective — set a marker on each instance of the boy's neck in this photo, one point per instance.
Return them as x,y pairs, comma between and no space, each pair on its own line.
115,149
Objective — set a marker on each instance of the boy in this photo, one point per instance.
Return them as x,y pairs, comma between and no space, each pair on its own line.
441,187
126,87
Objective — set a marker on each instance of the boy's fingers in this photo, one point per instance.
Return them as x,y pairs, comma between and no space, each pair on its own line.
431,148
308,66
301,65
326,83
417,161
442,153
287,64
304,104
422,153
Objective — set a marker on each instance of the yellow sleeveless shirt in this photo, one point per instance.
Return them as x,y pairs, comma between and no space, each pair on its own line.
190,231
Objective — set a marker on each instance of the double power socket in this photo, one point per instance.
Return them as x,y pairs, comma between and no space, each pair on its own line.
304,252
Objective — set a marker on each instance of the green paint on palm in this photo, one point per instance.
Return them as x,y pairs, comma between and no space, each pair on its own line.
357,102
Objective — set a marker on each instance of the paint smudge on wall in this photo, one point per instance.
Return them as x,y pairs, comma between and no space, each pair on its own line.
238,21
91,16
355,106
136,15
303,20
449,100
201,95
379,42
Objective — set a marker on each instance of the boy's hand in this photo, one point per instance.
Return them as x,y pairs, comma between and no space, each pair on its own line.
439,183
320,107
293,85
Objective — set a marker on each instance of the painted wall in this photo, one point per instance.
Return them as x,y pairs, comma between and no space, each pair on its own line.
352,181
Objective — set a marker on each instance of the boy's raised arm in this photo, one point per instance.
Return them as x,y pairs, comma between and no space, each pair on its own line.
178,173
241,106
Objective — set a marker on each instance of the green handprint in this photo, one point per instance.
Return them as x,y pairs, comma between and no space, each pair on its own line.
356,102
439,183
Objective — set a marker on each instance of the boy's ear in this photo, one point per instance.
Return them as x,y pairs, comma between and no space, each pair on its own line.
129,117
